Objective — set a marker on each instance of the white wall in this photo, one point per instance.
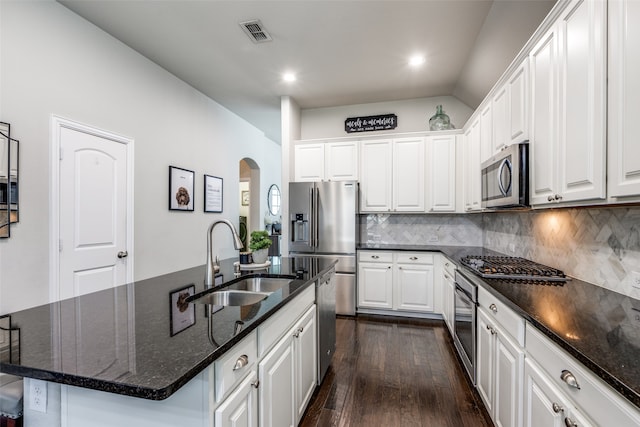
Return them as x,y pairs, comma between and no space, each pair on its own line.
413,116
54,62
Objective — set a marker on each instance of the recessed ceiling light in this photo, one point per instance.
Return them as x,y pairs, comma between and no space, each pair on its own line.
289,77
416,60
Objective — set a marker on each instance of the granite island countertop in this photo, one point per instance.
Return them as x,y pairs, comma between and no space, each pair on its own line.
598,327
120,340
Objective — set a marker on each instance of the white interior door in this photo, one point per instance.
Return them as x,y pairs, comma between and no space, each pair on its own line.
94,210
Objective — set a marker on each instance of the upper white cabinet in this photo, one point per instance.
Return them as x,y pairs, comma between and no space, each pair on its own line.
408,174
376,175
442,173
624,98
309,162
392,175
518,85
568,84
471,155
341,161
333,161
500,119
486,133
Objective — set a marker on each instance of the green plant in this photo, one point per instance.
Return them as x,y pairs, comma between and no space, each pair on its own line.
259,240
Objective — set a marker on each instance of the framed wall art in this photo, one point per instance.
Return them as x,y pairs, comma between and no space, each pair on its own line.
212,194
181,193
182,313
245,198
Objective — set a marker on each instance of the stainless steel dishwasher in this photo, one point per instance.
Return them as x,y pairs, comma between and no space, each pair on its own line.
326,310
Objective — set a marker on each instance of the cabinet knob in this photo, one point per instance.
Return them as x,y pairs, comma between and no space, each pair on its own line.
446,276
570,379
241,362
550,199
493,308
557,408
413,258
446,264
256,383
558,197
375,256
570,423
123,254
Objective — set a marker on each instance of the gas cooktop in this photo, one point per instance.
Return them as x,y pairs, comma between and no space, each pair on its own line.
513,268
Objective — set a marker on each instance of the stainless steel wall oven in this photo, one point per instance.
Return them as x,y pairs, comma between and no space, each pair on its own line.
464,328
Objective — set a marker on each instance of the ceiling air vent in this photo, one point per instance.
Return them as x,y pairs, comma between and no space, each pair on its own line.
256,31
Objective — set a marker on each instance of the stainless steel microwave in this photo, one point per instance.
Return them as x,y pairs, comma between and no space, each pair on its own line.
505,178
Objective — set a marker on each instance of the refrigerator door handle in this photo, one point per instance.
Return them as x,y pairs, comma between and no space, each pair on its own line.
316,219
311,217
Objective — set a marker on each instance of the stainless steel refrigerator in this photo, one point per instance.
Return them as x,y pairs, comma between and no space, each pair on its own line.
324,223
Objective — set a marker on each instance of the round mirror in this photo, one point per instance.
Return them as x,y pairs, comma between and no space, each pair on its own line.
273,199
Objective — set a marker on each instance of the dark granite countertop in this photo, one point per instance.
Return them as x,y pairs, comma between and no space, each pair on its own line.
81,342
598,327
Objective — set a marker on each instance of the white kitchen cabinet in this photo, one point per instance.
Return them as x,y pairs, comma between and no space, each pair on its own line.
544,404
277,387
414,287
309,162
448,292
500,119
568,78
375,282
409,174
472,178
341,161
305,361
441,163
500,364
376,175
240,409
518,112
624,99
486,132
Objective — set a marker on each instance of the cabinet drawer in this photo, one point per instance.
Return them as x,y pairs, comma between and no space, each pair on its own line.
449,266
508,320
594,397
414,258
234,365
375,256
275,327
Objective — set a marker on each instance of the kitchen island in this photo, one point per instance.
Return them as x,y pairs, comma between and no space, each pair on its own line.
133,340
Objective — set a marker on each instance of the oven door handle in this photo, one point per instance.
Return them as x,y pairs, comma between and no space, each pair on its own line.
465,293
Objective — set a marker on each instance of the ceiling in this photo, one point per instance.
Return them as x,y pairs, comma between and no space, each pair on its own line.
343,51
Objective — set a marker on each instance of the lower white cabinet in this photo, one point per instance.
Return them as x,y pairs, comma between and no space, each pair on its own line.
397,281
240,409
288,375
499,370
448,292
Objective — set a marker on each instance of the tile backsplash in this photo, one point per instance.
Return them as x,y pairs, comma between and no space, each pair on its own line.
597,245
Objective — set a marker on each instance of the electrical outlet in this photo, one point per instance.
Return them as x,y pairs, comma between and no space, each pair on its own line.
433,239
635,279
38,395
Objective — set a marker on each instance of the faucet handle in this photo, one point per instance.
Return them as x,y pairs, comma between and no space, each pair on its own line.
216,265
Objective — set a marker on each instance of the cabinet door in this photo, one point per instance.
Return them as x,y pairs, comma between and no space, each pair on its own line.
341,161
408,174
240,409
375,286
472,177
448,289
543,146
624,98
442,173
414,285
306,367
582,71
500,118
485,354
509,366
519,103
276,391
375,176
309,162
544,406
486,133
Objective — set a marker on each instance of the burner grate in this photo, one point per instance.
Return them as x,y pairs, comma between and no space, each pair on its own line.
515,268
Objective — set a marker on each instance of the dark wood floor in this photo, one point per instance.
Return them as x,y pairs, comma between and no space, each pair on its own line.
394,372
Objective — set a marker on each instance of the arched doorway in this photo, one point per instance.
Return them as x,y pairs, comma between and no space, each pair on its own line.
249,188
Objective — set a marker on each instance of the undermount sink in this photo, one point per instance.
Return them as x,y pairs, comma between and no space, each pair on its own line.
261,284
235,298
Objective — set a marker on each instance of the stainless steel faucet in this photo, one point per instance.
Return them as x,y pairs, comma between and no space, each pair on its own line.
237,243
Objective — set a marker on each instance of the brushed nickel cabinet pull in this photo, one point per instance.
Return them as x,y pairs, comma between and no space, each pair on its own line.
241,362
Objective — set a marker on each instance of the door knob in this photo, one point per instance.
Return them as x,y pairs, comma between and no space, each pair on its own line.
123,254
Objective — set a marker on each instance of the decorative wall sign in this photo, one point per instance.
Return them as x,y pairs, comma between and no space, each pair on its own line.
182,313
212,194
180,189
371,123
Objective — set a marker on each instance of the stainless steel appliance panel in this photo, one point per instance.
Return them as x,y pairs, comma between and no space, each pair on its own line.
345,294
326,309
335,223
505,178
301,195
464,326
